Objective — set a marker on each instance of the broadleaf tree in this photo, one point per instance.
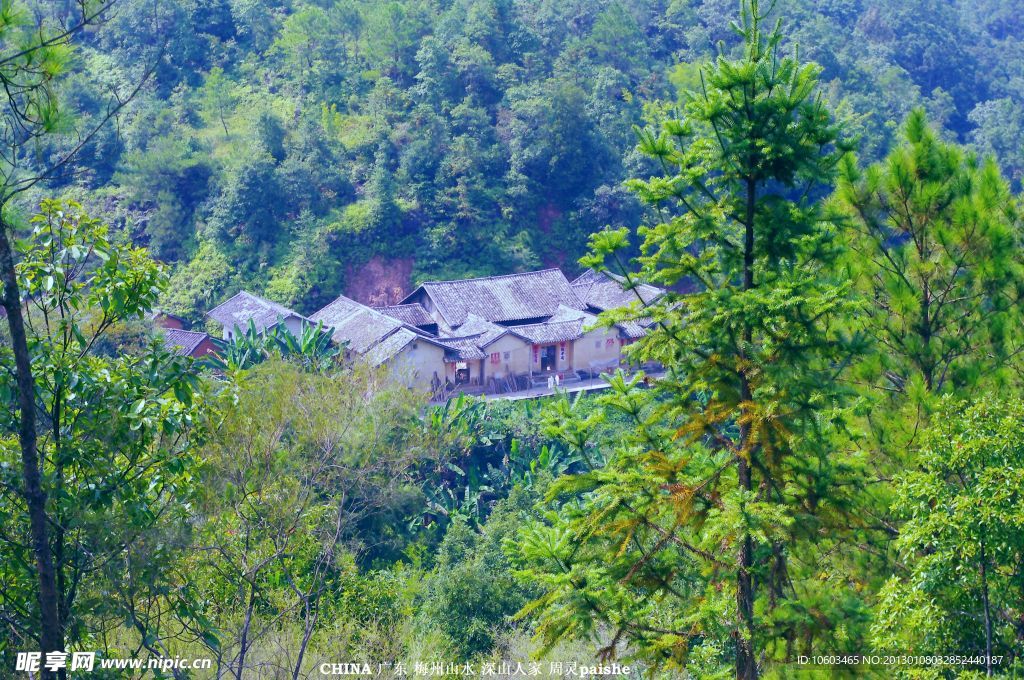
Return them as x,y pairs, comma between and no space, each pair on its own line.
116,437
963,538
34,55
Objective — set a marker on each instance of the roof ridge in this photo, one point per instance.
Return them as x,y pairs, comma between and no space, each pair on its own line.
546,323
406,304
241,292
265,302
472,336
495,276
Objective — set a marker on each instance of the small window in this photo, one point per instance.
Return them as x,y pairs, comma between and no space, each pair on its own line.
507,355
597,344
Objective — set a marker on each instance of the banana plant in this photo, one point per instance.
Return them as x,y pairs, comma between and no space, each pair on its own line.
313,348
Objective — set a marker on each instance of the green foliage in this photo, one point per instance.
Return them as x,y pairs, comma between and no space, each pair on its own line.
933,245
117,437
493,448
218,97
740,508
696,539
313,349
296,488
505,126
963,537
250,206
472,594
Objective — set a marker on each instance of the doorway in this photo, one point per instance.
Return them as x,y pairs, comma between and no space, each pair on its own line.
462,373
548,359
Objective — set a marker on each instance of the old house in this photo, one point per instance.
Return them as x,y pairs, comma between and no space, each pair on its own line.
533,325
161,319
509,300
602,291
492,334
235,314
188,343
416,358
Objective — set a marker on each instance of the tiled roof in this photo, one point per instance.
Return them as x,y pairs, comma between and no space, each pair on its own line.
154,314
244,306
564,313
476,326
509,298
466,348
414,314
632,329
389,346
556,331
603,291
182,343
358,325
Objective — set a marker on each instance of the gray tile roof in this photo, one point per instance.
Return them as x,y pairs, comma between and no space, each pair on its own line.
466,348
564,313
413,314
243,307
391,345
603,291
633,329
551,331
182,343
486,331
509,298
358,325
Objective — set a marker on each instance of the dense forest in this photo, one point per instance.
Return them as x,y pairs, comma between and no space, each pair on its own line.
303,149
825,479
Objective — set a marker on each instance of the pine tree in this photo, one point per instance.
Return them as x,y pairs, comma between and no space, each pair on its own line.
703,540
932,247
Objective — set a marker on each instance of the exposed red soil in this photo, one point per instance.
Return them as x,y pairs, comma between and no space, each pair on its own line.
381,281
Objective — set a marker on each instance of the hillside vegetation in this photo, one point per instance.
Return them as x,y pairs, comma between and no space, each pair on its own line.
826,466
307,148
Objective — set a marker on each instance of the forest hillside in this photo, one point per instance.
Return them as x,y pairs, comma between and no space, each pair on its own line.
306,148
774,430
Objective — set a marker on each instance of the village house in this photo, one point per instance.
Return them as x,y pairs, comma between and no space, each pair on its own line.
234,316
492,334
532,327
161,319
177,339
413,355
185,343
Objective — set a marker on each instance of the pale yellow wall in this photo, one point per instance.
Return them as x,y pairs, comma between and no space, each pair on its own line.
594,351
517,363
416,364
562,365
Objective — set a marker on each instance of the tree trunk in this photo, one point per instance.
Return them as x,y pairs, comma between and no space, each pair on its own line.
988,611
50,636
243,642
307,634
746,662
